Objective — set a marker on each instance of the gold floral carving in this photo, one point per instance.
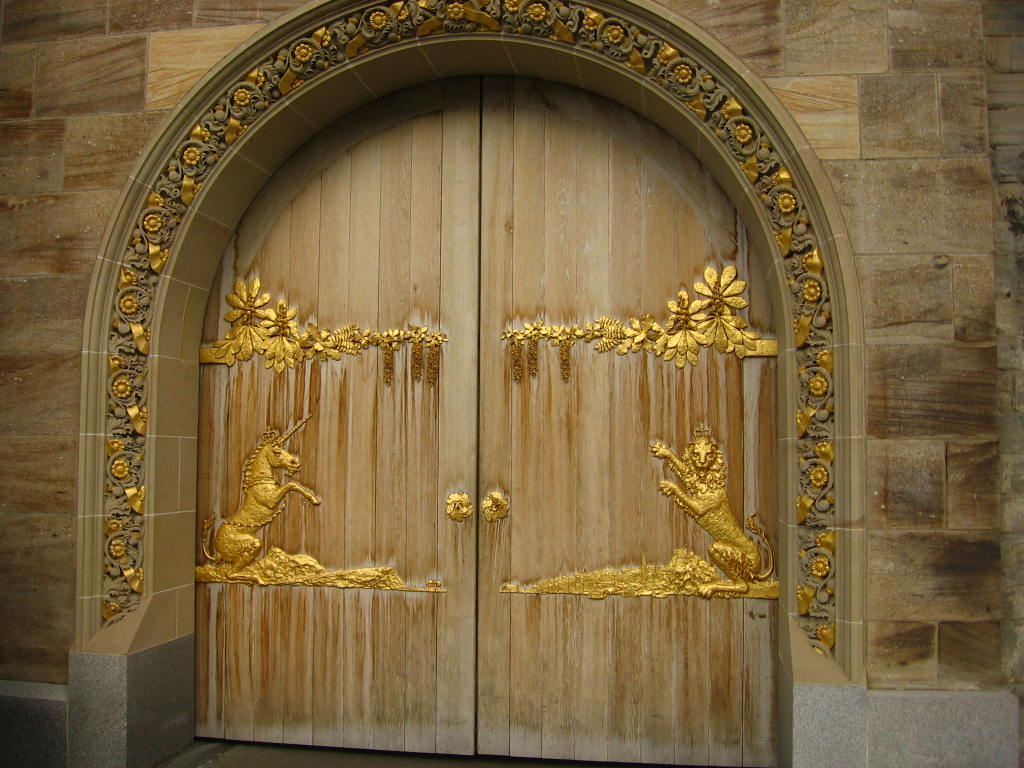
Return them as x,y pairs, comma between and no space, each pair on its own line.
668,65
711,321
495,507
458,507
232,555
700,492
272,332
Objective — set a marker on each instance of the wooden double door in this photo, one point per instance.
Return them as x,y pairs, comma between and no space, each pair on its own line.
472,208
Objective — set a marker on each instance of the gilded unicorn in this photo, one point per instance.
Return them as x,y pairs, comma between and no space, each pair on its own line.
235,545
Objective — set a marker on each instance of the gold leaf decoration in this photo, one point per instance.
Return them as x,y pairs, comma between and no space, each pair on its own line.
274,334
495,507
747,567
691,325
458,506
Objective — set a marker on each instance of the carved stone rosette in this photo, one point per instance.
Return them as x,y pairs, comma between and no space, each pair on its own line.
589,30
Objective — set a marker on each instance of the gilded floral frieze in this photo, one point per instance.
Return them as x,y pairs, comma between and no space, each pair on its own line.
691,325
273,333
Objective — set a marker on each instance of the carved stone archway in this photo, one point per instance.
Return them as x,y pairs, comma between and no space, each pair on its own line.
318,64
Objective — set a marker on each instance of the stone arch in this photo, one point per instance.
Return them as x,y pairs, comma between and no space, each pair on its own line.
318,64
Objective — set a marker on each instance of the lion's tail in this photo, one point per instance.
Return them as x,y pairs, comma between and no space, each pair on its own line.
769,560
205,538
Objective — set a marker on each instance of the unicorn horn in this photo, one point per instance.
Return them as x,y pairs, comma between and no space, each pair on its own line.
293,430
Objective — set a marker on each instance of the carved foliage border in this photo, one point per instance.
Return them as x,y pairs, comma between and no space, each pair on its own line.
590,29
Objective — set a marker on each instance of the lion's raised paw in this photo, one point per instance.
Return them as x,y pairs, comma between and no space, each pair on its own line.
660,450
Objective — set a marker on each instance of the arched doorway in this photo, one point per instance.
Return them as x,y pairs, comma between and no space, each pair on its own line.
320,63
558,576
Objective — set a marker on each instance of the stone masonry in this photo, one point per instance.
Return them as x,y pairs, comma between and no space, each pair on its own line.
916,110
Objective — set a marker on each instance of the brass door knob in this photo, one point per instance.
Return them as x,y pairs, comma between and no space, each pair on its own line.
495,506
459,507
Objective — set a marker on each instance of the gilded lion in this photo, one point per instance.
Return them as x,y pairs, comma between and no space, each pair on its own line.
701,493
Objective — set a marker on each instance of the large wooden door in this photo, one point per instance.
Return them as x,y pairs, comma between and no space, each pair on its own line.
593,213
481,210
374,225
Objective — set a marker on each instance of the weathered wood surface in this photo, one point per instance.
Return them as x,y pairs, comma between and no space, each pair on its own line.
602,215
547,204
373,230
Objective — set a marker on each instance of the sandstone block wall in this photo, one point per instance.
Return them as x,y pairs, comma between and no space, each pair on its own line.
1004,30
893,94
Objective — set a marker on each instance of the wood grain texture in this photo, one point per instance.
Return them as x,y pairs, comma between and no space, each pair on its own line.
363,239
496,439
604,217
469,215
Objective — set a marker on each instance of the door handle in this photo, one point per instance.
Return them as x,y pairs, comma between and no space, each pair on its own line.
495,507
458,506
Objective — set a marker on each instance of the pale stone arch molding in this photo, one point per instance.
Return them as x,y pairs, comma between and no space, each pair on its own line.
318,64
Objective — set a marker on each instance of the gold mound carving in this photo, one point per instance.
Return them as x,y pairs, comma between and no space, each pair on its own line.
684,575
282,569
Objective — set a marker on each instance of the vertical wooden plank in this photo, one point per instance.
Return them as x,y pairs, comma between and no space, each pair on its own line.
421,673
457,415
334,416
692,682
496,313
658,745
526,703
267,643
357,657
760,616
302,522
298,664
238,669
630,409
726,707
392,491
361,474
595,455
329,689
560,614
209,661
422,503
387,680
657,525
625,692
325,541
526,688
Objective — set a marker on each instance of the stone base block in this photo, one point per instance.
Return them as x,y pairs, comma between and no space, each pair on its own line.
828,726
33,724
132,710
943,728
